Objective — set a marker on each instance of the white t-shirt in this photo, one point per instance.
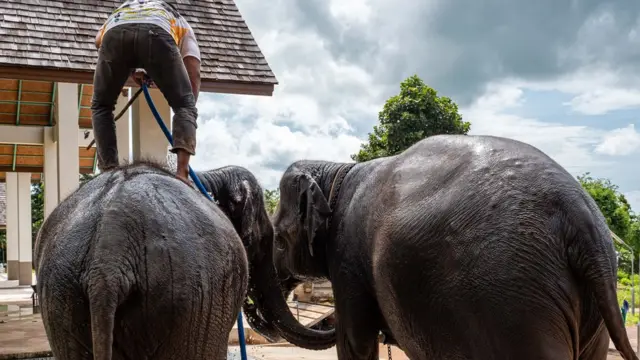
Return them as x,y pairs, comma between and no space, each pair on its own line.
155,12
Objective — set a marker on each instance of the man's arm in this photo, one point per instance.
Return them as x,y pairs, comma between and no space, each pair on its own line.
193,69
191,57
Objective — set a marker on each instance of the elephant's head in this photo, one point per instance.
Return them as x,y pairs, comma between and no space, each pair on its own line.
302,218
240,196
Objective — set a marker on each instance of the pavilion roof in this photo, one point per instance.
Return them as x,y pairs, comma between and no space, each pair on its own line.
54,41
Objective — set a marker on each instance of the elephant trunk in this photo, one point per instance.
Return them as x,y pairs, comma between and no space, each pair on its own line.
211,181
252,312
273,308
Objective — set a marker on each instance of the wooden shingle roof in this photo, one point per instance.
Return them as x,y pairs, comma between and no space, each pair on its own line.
54,40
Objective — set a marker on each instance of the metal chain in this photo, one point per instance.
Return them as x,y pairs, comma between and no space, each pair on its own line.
382,338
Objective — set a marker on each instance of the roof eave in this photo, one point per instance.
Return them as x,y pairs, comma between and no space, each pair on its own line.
238,88
86,77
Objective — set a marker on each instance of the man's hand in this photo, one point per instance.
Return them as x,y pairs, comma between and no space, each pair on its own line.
99,37
138,78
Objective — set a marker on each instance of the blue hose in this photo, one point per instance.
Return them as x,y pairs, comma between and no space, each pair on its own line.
196,180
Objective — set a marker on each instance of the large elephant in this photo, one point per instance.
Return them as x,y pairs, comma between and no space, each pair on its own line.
137,265
460,247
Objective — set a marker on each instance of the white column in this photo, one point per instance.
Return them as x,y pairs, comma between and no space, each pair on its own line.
50,172
122,129
24,232
13,227
67,139
149,142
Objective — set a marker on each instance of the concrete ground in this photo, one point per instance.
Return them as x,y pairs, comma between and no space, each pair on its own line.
271,352
267,352
21,331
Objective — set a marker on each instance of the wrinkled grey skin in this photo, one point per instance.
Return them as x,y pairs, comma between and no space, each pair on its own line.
241,198
137,265
461,247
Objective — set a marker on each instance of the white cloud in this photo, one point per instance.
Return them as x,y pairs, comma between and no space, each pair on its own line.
596,89
570,145
623,141
352,11
316,111
265,148
633,197
603,100
335,66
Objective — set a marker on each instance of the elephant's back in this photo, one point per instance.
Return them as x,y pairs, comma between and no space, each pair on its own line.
481,186
145,220
451,173
169,225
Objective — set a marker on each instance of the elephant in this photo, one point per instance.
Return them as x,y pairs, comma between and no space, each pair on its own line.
137,265
241,198
459,247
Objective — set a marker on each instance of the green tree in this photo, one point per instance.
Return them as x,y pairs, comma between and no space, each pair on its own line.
86,177
3,246
633,239
37,208
617,213
414,114
271,199
612,203
37,203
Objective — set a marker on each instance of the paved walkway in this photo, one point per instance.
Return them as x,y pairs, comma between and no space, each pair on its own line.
22,331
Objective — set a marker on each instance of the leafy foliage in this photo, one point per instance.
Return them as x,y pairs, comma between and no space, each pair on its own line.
612,204
414,114
37,204
3,246
618,215
37,208
86,177
271,199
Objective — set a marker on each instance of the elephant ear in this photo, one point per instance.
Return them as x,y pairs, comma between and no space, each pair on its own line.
313,206
245,211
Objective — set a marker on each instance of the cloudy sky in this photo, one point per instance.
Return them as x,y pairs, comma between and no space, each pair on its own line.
560,75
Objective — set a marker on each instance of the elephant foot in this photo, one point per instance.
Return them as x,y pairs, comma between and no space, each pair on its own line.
387,339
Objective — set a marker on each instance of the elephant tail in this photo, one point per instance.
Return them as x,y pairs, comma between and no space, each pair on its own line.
596,263
104,293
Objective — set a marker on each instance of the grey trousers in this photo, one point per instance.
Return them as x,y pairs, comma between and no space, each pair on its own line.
125,48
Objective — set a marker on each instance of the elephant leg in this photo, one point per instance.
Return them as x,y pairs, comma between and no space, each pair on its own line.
599,347
357,324
67,343
65,315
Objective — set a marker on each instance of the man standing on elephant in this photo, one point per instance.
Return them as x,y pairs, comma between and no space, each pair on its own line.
153,36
